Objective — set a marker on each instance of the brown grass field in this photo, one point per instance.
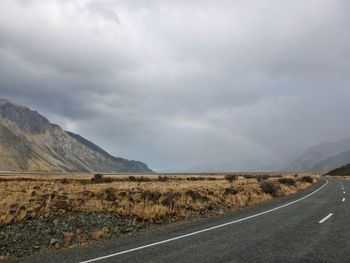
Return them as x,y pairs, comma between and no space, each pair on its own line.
146,198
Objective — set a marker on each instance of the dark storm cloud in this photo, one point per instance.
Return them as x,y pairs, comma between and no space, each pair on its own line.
183,84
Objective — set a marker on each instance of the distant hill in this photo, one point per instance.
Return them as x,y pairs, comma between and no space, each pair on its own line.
332,162
29,142
323,157
344,170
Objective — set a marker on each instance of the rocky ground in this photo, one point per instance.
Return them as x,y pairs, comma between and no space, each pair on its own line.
32,236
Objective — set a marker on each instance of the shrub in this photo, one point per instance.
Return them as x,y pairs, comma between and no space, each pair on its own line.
163,178
307,179
151,196
286,181
230,191
277,176
262,177
109,194
195,195
270,187
64,181
231,177
132,178
139,179
98,178
249,176
196,178
169,200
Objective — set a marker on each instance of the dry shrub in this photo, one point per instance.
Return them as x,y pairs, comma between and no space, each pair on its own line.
151,196
109,195
307,179
132,178
99,234
98,178
82,238
196,196
68,237
270,187
163,178
286,181
170,199
64,181
231,177
139,179
230,191
249,176
262,177
196,178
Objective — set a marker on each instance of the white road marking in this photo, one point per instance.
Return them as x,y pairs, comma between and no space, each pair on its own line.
204,230
344,192
343,199
324,219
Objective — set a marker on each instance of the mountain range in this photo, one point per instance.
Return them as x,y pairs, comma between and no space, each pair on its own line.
323,157
30,142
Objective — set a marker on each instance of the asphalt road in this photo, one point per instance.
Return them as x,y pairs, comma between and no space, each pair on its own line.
311,226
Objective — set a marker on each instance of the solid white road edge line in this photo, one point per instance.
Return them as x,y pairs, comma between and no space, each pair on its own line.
204,230
324,219
343,199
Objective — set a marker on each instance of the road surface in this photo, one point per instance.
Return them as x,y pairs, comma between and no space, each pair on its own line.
311,226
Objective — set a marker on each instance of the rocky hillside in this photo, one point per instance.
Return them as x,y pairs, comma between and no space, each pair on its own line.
29,142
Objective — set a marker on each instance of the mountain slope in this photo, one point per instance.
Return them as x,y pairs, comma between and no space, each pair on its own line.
322,157
332,162
29,142
344,170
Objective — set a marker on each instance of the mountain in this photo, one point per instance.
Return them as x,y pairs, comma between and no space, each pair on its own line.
332,162
323,157
343,170
29,142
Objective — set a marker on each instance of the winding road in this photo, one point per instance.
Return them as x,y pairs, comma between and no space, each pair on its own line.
311,226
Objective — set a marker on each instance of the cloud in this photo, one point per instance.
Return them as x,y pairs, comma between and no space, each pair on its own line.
183,85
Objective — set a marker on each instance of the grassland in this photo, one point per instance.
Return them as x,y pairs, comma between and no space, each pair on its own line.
150,198
142,199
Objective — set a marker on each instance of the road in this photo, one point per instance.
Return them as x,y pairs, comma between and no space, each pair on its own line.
311,226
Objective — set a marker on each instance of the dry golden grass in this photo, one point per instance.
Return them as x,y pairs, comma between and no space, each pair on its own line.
147,198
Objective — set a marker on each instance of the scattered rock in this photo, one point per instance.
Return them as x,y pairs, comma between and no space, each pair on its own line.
53,241
31,236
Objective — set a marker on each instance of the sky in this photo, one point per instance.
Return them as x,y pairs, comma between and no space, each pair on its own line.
184,85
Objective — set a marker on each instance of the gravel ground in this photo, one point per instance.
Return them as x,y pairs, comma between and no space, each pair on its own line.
33,236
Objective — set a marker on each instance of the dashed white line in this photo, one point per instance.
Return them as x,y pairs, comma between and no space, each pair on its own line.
344,192
324,219
203,230
343,199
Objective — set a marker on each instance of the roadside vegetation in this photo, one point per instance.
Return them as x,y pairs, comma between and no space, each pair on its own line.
92,207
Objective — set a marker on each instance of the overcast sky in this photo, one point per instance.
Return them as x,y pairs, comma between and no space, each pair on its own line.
183,85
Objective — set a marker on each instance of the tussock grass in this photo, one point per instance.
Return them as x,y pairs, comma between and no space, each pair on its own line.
147,198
